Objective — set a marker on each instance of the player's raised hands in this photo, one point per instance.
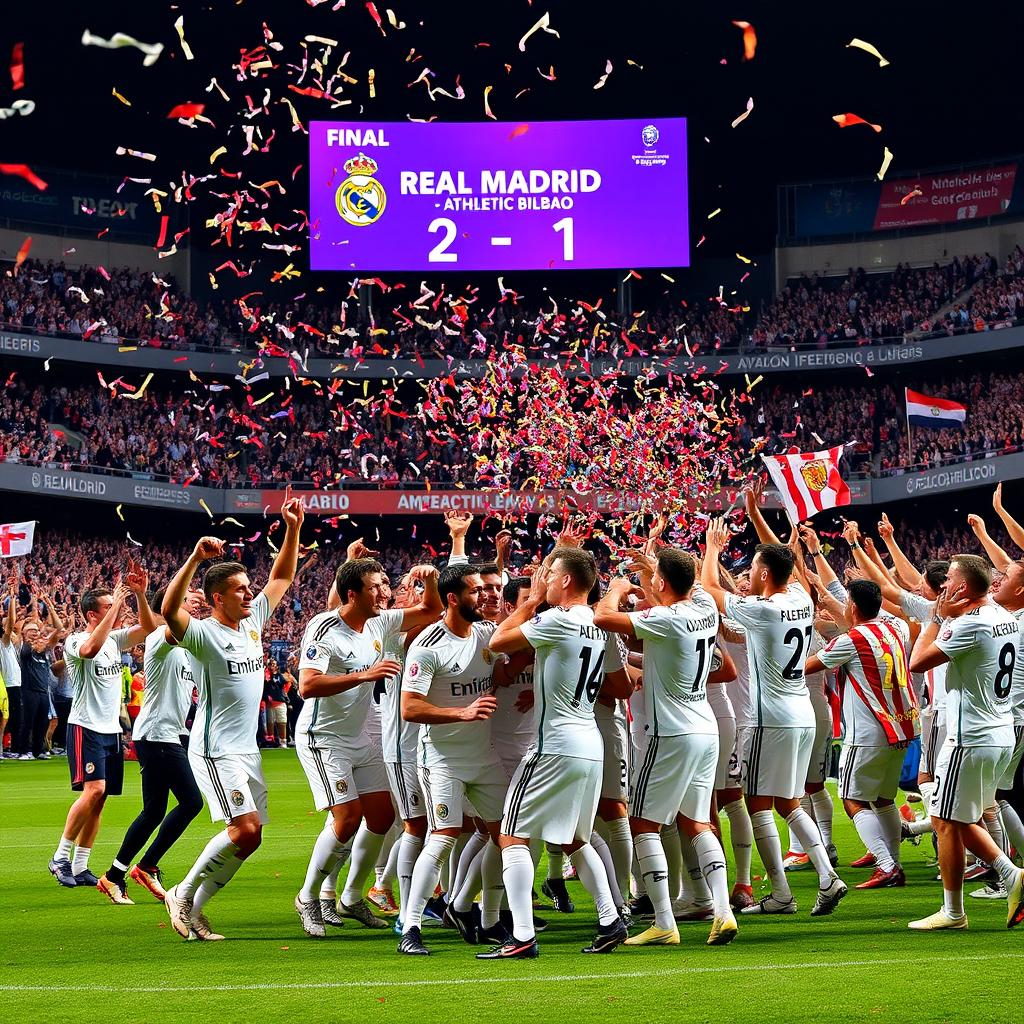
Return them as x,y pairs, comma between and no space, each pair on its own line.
423,572
208,547
573,534
810,539
658,527
977,524
293,512
851,532
885,530
503,546
952,602
717,535
997,498
753,492
483,707
642,563
357,549
458,522
137,578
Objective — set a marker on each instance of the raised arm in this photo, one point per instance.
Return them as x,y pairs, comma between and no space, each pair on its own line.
138,582
851,533
607,615
716,539
458,524
1013,528
430,608
287,562
174,614
824,571
906,569
98,637
11,617
1000,559
752,501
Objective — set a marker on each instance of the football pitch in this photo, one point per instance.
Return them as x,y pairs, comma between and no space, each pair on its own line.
71,955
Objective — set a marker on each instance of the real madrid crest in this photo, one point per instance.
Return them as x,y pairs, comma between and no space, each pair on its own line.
360,198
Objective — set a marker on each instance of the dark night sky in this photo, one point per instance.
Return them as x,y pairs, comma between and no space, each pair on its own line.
951,94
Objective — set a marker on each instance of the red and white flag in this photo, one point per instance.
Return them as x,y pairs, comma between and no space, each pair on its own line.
808,482
16,539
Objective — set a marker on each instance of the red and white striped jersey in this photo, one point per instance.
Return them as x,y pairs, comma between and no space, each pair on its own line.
879,707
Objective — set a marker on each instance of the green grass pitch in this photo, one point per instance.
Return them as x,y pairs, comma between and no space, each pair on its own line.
69,955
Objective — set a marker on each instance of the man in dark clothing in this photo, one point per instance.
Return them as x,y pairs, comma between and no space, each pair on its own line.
34,658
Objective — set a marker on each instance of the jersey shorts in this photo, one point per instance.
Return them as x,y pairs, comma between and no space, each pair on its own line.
933,737
817,770
966,779
1006,782
338,774
231,784
727,773
615,774
870,772
554,798
677,777
404,783
775,760
93,756
450,795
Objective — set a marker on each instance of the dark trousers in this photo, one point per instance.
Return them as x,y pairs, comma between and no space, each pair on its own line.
35,718
165,770
14,718
62,705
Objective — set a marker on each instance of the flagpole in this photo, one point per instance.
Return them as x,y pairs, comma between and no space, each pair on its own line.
906,413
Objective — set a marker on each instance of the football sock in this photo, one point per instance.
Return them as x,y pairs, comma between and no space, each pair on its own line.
217,879
598,843
1013,825
889,822
1006,869
365,848
517,872
696,888
451,880
387,874
218,850
869,828
674,857
823,808
801,823
326,851
329,890
953,903
80,861
470,880
591,873
993,823
766,838
620,842
117,871
471,850
924,824
493,887
65,849
650,855
556,860
409,847
741,834
436,850
712,865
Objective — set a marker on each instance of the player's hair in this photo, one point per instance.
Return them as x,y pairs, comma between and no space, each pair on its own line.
215,580
977,573
156,599
935,573
510,592
579,564
487,569
678,569
453,580
350,575
779,560
90,600
866,597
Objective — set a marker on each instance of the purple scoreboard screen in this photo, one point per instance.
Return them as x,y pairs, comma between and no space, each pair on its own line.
542,195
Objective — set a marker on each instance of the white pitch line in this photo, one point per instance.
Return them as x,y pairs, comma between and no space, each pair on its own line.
513,980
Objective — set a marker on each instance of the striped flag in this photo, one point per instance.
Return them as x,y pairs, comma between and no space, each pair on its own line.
808,482
935,413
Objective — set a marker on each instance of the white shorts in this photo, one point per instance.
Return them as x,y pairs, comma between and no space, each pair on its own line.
817,770
277,714
554,798
676,777
232,784
933,738
404,782
337,775
1006,782
965,781
727,771
870,773
775,760
615,774
447,794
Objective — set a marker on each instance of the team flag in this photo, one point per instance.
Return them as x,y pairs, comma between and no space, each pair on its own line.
936,413
808,482
16,539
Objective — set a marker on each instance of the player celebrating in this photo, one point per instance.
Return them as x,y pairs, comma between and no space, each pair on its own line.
555,791
92,660
342,660
227,649
677,778
779,619
979,640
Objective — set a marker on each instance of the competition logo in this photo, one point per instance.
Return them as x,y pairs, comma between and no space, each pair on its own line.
311,652
236,797
815,474
441,810
90,768
254,636
649,136
488,655
341,786
360,198
414,799
376,646
414,670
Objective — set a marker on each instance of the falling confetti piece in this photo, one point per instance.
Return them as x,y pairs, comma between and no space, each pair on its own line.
216,153
393,21
671,280
868,48
22,253
124,151
24,171
749,39
520,129
742,258
543,25
120,514
372,8
714,213
179,27
117,95
487,103
634,64
118,40
187,110
746,113
132,540
751,384
206,508
886,160
18,66
142,390
848,120
910,195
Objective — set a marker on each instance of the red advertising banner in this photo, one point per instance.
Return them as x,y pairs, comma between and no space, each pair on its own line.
946,197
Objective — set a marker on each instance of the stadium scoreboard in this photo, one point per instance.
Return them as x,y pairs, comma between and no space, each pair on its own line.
551,195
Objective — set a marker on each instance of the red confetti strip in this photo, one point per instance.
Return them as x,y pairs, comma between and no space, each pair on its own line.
26,172
164,220
18,66
23,253
187,110
848,120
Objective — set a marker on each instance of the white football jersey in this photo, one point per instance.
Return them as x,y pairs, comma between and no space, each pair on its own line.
573,657
331,646
451,672
1017,693
739,688
10,664
779,630
230,664
920,609
168,692
679,645
398,738
97,682
512,730
982,647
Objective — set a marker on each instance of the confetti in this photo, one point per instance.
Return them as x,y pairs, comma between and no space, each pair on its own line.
120,514
18,66
24,171
372,8
543,25
910,195
714,213
206,508
848,120
124,151
749,39
487,104
745,114
520,129
118,96
187,110
142,390
604,78
132,540
152,51
22,253
868,48
742,258
19,108
886,160
179,27
393,21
